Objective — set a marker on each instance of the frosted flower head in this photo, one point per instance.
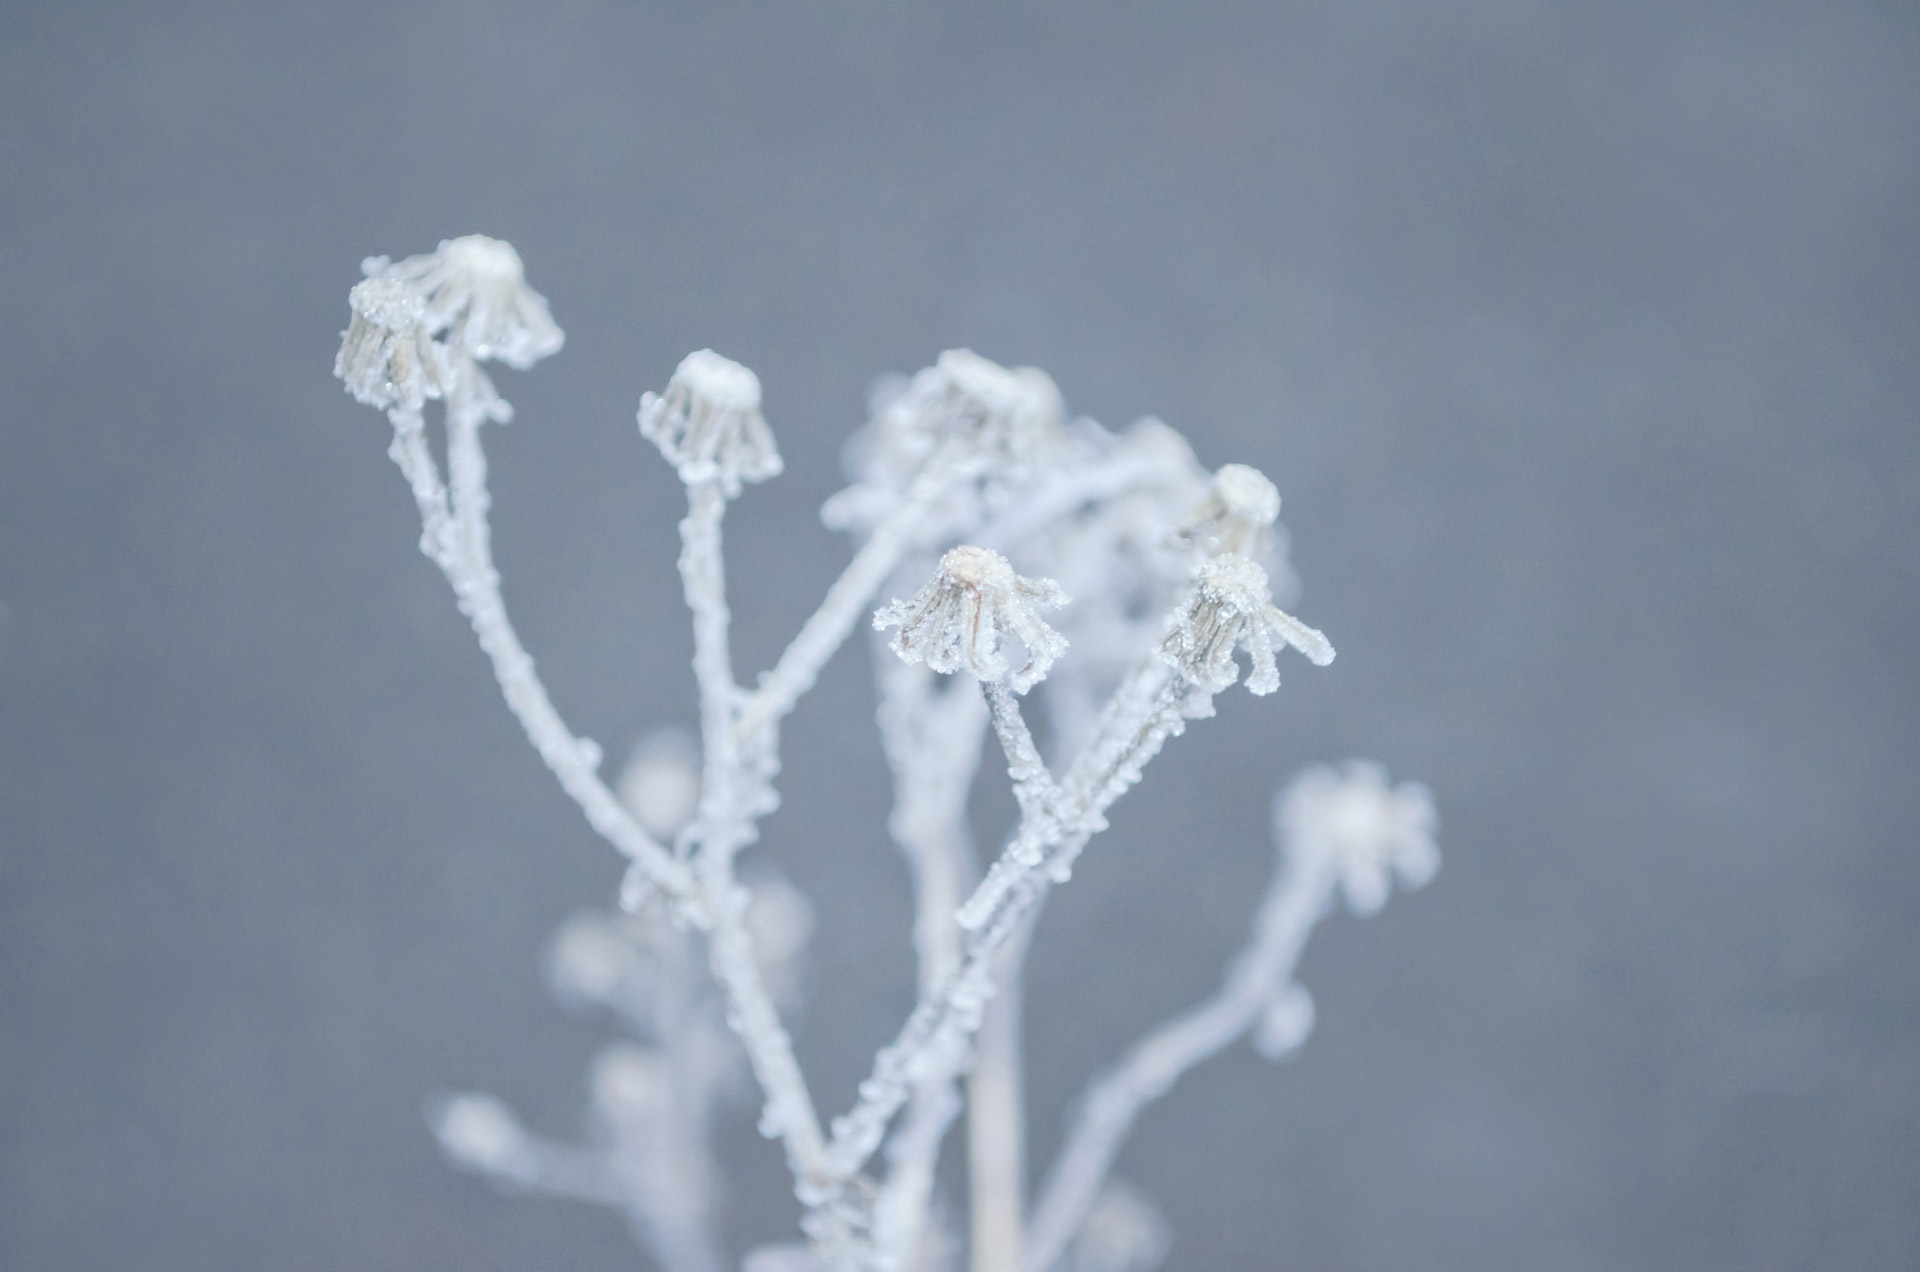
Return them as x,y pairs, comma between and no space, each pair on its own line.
476,291
1237,515
962,619
1232,606
1372,832
708,423
980,420
388,358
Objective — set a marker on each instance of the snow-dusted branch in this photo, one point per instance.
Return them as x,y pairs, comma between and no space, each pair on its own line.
389,358
708,425
1334,830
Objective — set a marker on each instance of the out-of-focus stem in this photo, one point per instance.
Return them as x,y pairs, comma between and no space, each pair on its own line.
1294,903
996,1117
828,627
933,746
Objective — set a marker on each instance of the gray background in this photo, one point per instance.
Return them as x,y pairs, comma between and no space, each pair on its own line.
1580,338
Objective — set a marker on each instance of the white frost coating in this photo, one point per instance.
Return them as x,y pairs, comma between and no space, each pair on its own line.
962,618
974,496
708,423
476,292
387,357
1232,607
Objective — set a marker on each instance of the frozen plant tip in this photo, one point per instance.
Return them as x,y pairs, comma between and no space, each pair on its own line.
708,423
1238,515
970,493
962,618
1369,832
387,358
1232,607
476,292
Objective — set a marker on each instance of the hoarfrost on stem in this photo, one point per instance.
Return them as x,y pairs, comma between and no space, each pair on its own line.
975,498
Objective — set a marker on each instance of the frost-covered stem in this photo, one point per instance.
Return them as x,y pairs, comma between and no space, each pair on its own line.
996,1118
933,745
1130,736
1033,787
1064,493
1294,902
721,829
828,627
703,578
1142,713
410,452
789,1112
467,561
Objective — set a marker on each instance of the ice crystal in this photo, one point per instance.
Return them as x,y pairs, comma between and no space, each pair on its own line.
965,425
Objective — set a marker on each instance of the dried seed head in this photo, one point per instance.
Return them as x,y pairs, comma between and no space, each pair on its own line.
388,357
1237,515
476,291
962,618
1232,606
708,423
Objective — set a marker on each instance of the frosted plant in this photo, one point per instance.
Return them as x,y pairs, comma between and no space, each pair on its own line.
976,508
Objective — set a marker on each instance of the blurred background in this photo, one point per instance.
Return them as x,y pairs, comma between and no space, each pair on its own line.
1579,338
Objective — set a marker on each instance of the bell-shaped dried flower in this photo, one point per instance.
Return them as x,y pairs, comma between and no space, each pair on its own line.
1232,606
980,419
388,358
708,423
962,619
1372,832
476,291
1237,515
